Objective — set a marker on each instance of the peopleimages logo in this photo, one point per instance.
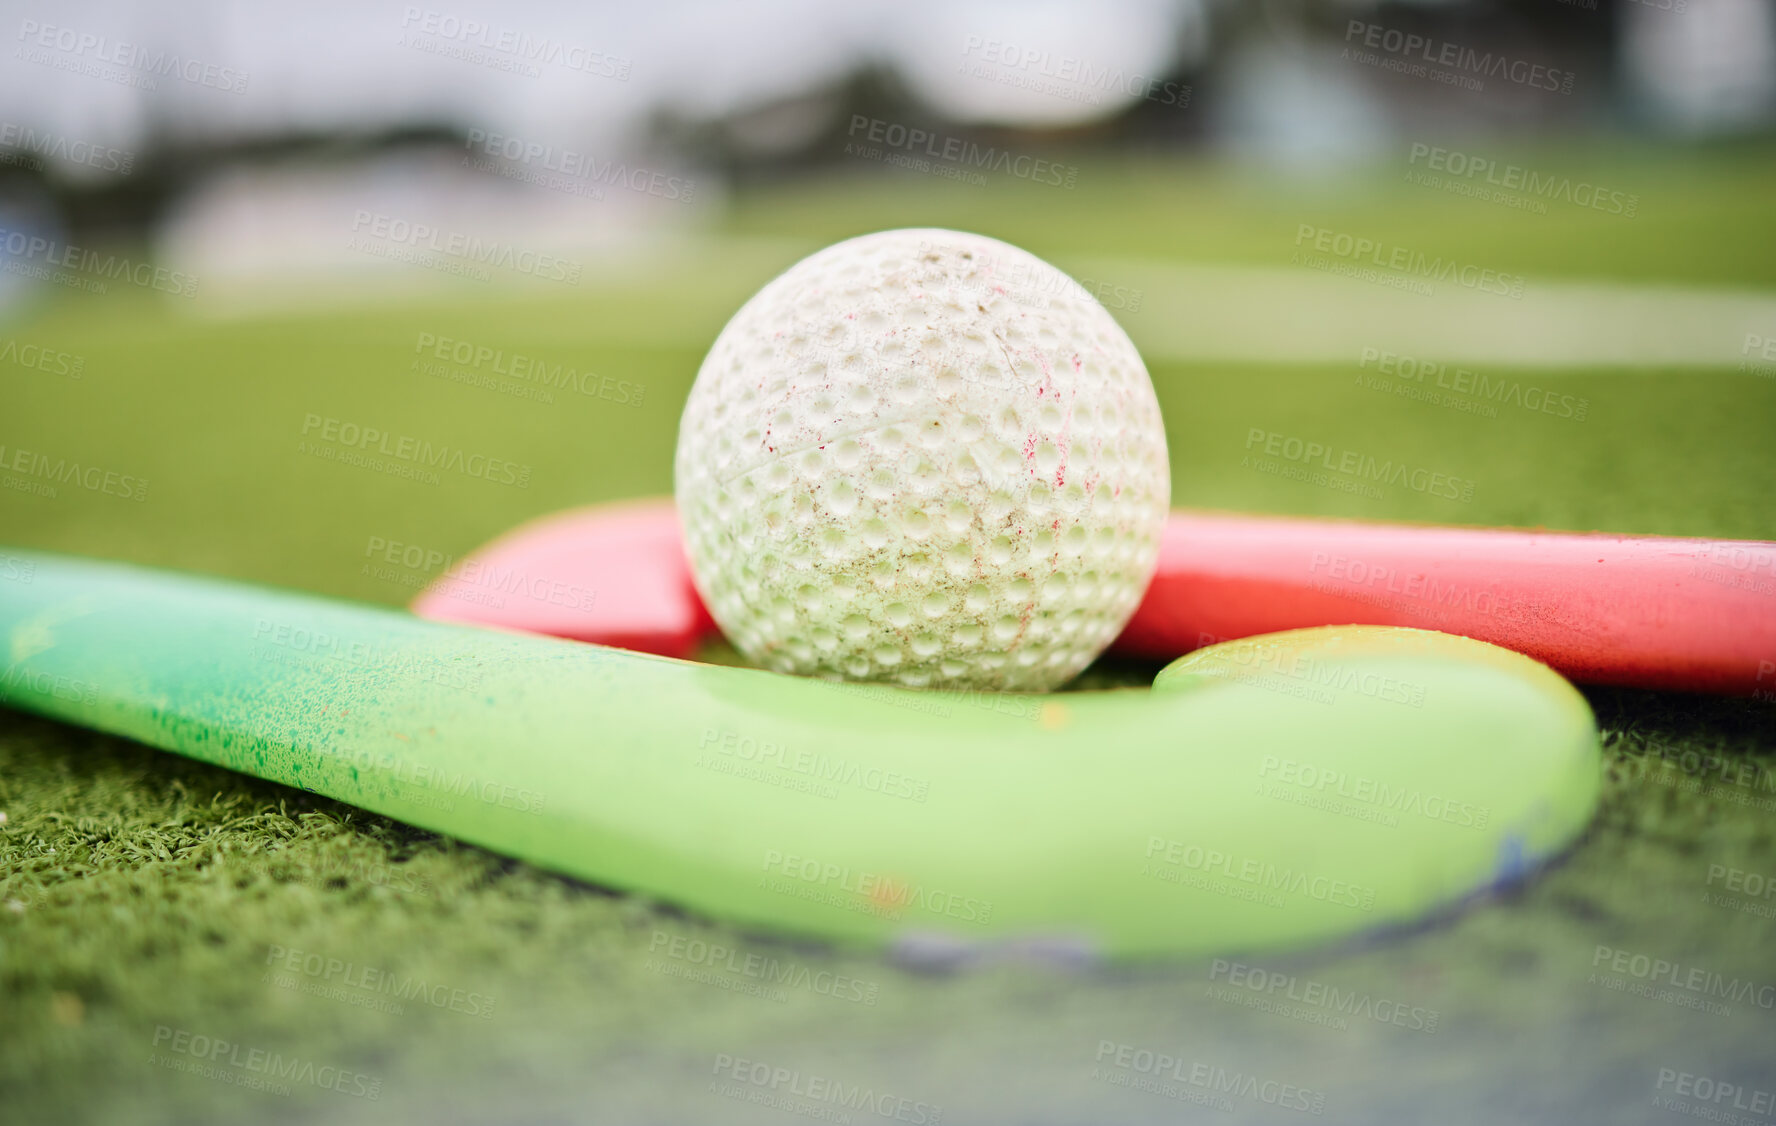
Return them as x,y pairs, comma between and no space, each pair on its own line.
817,765
1707,1089
1756,351
1269,985
35,356
16,568
1396,799
33,253
1031,281
1374,583
872,892
956,151
1749,887
39,473
1360,465
82,52
415,453
426,779
1066,76
1692,979
1255,665
562,168
329,972
1202,1079
773,1086
520,49
1404,261
1415,53
766,970
468,250
1480,393
528,369
26,141
1258,874
305,647
473,580
258,1063
19,682
1514,177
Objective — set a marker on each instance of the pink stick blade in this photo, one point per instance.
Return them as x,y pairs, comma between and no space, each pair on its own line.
612,574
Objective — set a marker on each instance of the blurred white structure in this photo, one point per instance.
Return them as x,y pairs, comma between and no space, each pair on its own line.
1046,63
1702,66
122,74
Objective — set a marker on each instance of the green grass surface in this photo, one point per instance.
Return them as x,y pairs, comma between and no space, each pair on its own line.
140,891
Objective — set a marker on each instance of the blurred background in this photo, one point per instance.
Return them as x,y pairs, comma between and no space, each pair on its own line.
1528,245
234,146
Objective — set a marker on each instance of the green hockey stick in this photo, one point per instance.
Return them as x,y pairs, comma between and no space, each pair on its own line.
1267,793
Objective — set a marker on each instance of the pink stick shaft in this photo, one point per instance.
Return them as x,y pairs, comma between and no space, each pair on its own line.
1646,611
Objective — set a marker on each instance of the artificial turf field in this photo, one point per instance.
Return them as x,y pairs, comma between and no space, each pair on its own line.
143,896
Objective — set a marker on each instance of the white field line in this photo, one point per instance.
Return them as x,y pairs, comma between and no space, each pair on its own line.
1188,311
1299,315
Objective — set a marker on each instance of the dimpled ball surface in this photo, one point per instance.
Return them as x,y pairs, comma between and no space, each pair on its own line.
923,457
